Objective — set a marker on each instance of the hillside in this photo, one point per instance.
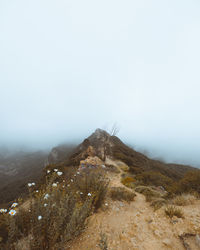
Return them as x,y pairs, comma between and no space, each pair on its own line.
104,145
105,195
16,170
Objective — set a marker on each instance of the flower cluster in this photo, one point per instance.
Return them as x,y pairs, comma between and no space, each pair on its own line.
31,184
2,210
12,211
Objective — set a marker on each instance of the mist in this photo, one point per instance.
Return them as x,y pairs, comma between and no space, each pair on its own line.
69,67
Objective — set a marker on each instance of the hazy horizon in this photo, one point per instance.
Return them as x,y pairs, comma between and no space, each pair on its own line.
69,67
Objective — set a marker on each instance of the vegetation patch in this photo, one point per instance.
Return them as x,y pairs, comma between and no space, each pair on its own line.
112,169
58,214
154,178
148,192
121,194
128,181
189,183
157,203
171,211
183,200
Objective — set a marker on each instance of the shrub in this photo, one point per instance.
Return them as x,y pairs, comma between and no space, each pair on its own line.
112,169
148,192
173,211
119,193
92,181
183,199
154,178
157,203
56,218
128,182
189,183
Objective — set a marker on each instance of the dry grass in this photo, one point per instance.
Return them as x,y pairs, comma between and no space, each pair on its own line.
183,200
112,169
128,181
63,213
103,245
157,203
148,192
121,194
171,211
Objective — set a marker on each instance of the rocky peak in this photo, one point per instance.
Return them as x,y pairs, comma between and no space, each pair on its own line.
100,135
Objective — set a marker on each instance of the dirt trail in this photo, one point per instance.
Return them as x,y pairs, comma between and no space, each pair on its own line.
134,225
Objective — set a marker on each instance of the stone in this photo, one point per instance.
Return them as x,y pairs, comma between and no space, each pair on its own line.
167,242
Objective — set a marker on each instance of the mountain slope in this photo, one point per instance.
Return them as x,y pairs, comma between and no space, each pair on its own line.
16,170
104,145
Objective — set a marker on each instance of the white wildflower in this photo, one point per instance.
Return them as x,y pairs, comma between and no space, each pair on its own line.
55,169
12,212
45,204
48,171
33,183
71,180
39,217
14,204
2,210
29,184
46,196
59,173
54,185
36,191
81,192
89,194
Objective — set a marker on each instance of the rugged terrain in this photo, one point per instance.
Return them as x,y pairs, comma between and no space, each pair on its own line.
136,225
146,204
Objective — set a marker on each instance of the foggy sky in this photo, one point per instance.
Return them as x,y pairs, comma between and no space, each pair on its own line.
68,67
